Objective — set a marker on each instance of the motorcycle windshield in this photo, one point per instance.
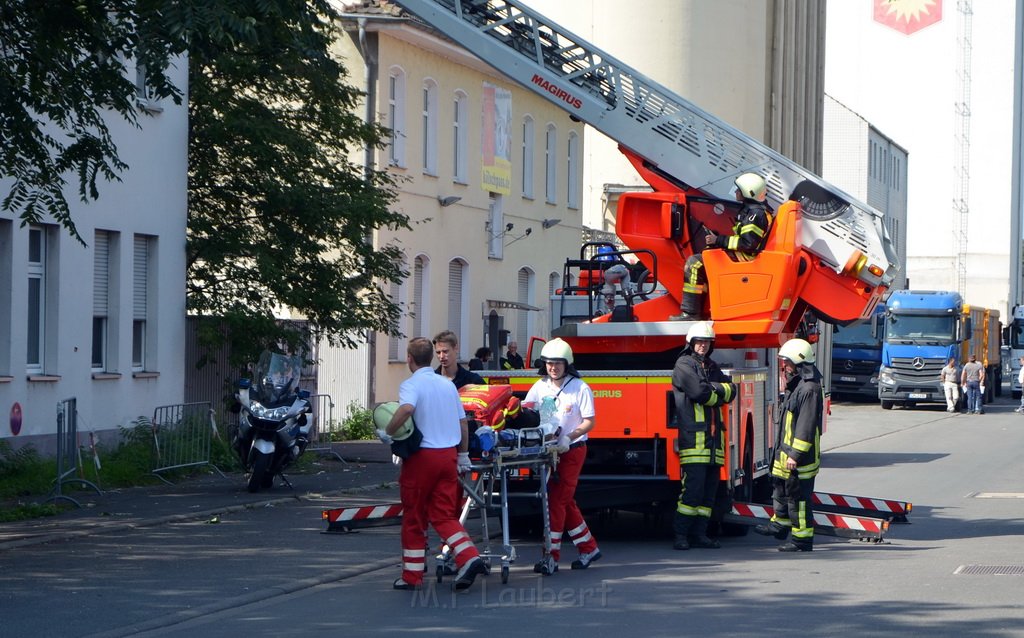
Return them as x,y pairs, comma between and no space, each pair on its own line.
276,378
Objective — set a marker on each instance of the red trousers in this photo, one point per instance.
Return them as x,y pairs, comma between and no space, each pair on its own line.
428,483
562,510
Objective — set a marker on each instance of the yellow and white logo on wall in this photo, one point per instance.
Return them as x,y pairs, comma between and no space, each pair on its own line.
496,142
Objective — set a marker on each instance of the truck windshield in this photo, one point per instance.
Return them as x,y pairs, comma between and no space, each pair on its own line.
1017,334
918,328
855,336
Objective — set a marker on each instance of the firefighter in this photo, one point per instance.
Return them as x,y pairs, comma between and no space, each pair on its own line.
429,477
700,389
750,232
797,451
574,412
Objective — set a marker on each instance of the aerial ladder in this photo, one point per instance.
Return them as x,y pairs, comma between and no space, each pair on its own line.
830,255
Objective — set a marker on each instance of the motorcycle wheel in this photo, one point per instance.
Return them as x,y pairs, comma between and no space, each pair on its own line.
260,471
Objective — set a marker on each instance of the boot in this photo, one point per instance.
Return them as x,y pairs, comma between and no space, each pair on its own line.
681,528
689,308
771,528
796,547
699,535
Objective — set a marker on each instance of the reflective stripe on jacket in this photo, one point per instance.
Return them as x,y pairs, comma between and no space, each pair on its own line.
749,232
700,389
799,428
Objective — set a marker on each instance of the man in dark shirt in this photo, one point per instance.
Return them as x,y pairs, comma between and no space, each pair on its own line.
512,359
446,349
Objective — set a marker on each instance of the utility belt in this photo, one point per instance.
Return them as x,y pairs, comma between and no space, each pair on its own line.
577,444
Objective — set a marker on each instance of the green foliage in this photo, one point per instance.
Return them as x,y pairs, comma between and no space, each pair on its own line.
23,472
279,215
66,65
358,424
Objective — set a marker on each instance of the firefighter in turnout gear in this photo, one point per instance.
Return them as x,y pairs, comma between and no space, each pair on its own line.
700,389
797,453
750,232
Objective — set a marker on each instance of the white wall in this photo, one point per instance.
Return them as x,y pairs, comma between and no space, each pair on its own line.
150,200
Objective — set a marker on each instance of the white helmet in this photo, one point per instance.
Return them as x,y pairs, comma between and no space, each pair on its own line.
797,351
382,416
556,350
752,186
700,330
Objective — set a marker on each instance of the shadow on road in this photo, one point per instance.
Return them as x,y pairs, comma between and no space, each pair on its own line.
847,460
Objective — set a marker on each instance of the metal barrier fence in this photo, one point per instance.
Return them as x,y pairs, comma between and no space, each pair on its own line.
182,434
67,452
324,426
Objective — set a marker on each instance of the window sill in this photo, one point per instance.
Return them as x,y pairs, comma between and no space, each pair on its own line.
106,376
528,197
460,181
142,374
6,378
43,378
148,105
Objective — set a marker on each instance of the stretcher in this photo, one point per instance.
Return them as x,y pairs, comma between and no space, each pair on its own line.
486,488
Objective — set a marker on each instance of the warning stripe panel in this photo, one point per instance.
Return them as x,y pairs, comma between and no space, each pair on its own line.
862,502
364,513
821,519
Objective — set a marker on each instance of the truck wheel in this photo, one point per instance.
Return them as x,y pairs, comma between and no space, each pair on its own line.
886,405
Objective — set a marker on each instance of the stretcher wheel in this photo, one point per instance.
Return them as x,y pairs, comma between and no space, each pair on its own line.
440,573
504,574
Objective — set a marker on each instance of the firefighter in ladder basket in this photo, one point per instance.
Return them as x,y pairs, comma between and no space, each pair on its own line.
797,449
750,232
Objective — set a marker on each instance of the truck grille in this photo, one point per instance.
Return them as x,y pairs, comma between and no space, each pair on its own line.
852,367
925,369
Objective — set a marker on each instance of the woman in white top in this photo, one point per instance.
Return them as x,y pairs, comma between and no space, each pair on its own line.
574,412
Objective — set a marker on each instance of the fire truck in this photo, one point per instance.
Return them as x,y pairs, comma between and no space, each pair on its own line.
826,256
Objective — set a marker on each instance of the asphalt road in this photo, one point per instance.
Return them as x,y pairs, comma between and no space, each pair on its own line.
269,570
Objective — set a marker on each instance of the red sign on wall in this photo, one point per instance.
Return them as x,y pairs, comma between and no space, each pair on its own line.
907,16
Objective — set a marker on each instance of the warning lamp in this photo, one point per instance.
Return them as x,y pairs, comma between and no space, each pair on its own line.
875,270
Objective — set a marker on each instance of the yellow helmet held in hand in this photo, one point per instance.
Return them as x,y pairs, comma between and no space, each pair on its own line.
382,416
752,186
797,351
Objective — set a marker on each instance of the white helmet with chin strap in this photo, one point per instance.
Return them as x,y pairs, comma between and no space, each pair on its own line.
700,330
797,352
752,186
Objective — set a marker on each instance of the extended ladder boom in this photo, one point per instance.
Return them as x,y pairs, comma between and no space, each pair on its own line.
683,142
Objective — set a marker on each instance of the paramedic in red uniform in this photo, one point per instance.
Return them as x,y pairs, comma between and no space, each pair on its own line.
429,477
574,405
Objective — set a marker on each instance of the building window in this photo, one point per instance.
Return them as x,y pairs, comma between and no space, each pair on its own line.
573,182
6,298
457,297
528,151
524,289
100,299
141,294
430,127
496,227
460,144
36,320
396,117
420,296
554,282
396,344
550,154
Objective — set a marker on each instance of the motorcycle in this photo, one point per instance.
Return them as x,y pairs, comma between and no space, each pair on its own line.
273,424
